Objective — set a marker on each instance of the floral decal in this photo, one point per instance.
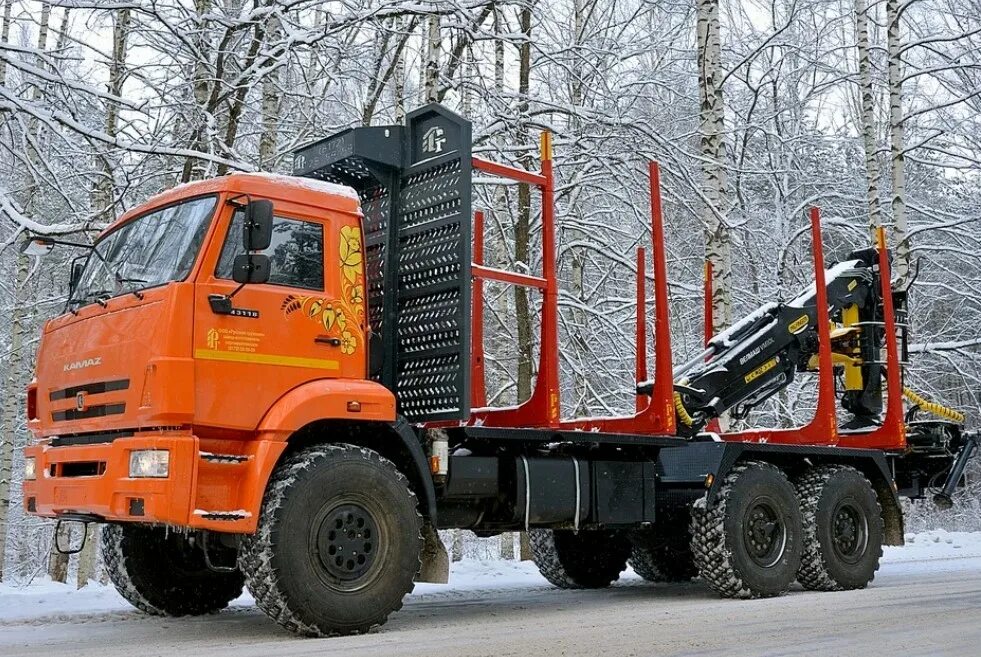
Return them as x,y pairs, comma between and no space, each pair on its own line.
341,318
351,253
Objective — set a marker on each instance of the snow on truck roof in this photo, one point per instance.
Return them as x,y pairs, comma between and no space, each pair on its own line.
271,185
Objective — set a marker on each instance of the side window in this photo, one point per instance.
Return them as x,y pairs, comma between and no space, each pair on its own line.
296,254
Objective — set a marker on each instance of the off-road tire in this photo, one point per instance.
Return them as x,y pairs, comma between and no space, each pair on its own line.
839,495
755,502
290,568
663,552
157,571
579,560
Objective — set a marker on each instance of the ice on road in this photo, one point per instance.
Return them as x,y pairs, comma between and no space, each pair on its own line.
926,600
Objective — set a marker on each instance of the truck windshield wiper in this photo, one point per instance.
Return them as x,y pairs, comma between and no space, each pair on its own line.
120,279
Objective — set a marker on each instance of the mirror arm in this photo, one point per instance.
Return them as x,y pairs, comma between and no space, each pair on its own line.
221,304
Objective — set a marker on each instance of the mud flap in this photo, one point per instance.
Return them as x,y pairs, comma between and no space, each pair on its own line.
435,567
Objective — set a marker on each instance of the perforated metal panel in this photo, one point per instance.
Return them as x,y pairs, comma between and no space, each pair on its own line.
415,186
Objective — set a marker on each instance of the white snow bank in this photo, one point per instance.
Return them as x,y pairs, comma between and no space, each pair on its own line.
44,601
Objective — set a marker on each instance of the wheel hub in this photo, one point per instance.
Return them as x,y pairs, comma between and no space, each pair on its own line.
849,532
764,534
347,542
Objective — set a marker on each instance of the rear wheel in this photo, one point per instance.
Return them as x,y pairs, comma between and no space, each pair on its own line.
579,560
162,572
843,529
748,543
663,553
338,543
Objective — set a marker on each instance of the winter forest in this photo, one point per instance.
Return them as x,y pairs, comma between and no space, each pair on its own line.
756,110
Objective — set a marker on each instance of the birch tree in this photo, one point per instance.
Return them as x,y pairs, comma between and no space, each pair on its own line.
867,115
713,162
897,143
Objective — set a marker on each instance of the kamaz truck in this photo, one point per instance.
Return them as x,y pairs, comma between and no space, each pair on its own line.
278,382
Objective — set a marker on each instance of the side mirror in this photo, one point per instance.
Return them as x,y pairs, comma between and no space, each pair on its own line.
78,266
37,246
257,230
250,268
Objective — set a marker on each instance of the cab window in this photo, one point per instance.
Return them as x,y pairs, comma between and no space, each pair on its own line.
296,255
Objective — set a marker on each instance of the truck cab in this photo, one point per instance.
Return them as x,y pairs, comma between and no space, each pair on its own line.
150,397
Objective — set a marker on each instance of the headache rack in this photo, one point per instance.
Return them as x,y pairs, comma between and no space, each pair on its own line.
415,187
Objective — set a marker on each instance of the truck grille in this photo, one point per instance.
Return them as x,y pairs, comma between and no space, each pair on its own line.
85,410
100,410
90,389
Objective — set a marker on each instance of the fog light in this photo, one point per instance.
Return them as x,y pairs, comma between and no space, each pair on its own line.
30,468
149,463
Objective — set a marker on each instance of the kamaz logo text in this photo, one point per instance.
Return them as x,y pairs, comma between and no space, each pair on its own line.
433,140
81,364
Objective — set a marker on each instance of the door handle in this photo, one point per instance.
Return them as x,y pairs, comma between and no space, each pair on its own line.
327,340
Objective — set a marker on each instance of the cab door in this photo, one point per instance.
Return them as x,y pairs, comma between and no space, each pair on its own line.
305,323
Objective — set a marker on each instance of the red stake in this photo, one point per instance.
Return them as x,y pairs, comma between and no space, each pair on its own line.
478,391
640,364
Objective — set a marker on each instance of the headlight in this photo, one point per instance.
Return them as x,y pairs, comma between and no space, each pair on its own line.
149,463
30,468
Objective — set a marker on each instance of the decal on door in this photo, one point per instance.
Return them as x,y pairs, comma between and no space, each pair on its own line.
342,318
240,346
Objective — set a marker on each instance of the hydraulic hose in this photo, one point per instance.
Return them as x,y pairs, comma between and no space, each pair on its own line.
683,415
932,407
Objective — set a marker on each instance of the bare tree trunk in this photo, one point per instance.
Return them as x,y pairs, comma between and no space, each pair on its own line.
432,59
867,114
897,139
270,103
522,226
457,546
399,78
525,548
713,149
11,401
88,558
103,192
577,93
5,37
201,90
507,546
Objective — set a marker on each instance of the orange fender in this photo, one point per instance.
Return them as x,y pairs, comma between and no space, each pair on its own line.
327,399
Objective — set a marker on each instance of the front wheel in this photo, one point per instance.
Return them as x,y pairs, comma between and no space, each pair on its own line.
338,543
161,572
748,543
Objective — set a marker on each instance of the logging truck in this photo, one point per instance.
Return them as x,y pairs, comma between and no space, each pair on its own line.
278,382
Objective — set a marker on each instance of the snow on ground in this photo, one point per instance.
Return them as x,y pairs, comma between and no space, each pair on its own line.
46,602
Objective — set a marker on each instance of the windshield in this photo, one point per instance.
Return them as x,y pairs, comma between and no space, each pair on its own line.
153,249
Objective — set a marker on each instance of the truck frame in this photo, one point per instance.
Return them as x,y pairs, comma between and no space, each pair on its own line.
304,429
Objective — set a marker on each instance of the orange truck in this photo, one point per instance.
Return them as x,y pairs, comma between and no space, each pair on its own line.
277,381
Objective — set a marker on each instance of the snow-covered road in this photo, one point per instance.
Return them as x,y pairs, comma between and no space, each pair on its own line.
926,600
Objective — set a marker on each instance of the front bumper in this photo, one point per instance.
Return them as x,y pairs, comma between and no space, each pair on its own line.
213,485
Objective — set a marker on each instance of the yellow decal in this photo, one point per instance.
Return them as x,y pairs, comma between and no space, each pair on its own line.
852,285
798,324
761,370
212,338
341,318
266,359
